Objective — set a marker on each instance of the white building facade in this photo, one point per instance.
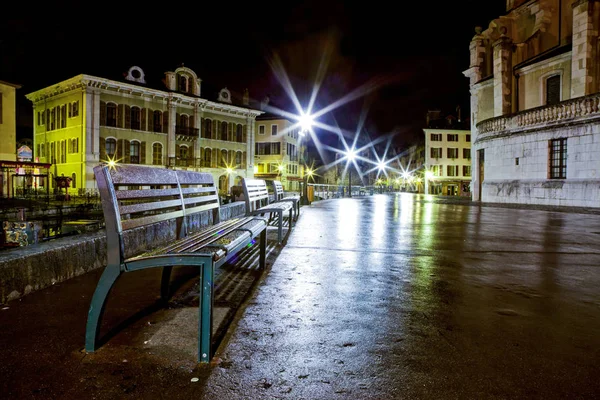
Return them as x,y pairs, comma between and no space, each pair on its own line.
535,103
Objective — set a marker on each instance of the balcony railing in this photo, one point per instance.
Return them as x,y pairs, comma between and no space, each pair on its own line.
186,131
556,114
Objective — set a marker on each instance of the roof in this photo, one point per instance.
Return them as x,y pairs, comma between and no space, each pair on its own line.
15,85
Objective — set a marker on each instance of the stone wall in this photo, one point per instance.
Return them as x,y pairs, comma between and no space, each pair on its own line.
27,269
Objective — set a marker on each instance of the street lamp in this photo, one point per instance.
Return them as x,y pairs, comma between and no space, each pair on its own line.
306,121
350,156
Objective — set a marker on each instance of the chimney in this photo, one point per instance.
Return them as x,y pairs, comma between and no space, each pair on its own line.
246,97
264,103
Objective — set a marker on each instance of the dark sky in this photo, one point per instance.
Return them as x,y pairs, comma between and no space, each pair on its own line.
417,54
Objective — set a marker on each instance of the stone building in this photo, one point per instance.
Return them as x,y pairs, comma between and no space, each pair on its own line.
447,155
535,95
411,168
8,121
87,120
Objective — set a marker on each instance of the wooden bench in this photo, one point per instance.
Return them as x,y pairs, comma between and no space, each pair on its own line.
256,196
179,205
279,196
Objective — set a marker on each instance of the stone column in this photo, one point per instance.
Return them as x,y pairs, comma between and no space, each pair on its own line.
91,141
171,140
584,54
502,75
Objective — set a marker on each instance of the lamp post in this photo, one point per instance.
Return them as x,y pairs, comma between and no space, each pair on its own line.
350,155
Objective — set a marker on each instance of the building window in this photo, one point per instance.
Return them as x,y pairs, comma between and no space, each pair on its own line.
183,155
261,129
63,116
73,180
469,138
436,170
453,137
111,114
452,152
466,170
263,149
436,137
111,147
207,129
182,83
553,90
239,134
558,158
207,157
157,121
223,130
273,130
157,154
452,170
238,160
436,152
223,160
467,154
134,152
275,148
135,118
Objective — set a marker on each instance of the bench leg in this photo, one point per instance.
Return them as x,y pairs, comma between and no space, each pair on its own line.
164,283
280,226
105,284
262,261
205,310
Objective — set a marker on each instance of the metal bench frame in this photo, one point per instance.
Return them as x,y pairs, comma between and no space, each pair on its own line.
135,196
256,197
279,196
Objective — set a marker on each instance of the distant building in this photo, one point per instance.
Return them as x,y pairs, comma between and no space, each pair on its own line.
19,176
447,155
535,102
411,164
278,149
8,121
136,119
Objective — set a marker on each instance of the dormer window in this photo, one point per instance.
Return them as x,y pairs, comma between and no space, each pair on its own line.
183,83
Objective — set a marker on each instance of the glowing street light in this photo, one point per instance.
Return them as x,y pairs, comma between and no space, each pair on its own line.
306,122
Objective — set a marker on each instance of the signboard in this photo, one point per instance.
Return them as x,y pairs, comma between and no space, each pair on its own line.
24,153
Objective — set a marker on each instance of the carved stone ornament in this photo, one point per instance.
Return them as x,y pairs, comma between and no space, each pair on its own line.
225,96
135,74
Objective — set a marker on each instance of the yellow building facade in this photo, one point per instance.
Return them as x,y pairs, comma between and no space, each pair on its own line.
87,120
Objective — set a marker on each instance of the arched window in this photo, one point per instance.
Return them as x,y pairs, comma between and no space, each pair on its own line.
238,159
223,160
183,81
73,180
223,184
207,157
239,135
111,147
157,121
157,154
207,129
135,118
134,152
111,114
183,155
553,89
184,120
223,130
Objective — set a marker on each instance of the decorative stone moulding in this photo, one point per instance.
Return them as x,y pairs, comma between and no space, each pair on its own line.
136,74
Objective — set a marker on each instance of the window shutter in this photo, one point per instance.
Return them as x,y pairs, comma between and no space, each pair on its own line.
165,121
244,166
102,149
553,90
119,152
231,160
215,158
127,151
244,133
202,128
102,113
191,154
215,129
127,117
230,131
70,110
143,153
178,119
191,121
143,120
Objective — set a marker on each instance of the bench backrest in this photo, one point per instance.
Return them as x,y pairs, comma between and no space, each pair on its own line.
256,194
278,190
138,195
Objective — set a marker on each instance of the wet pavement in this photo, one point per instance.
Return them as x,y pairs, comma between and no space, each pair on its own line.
372,297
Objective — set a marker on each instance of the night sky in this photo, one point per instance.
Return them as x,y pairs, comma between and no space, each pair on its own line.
416,55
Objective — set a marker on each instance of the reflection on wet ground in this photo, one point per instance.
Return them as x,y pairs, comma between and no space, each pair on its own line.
393,296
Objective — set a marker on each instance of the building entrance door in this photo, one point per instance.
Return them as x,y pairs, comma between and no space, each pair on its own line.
481,162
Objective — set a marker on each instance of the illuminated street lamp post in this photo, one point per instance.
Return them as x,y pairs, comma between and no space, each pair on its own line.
350,155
